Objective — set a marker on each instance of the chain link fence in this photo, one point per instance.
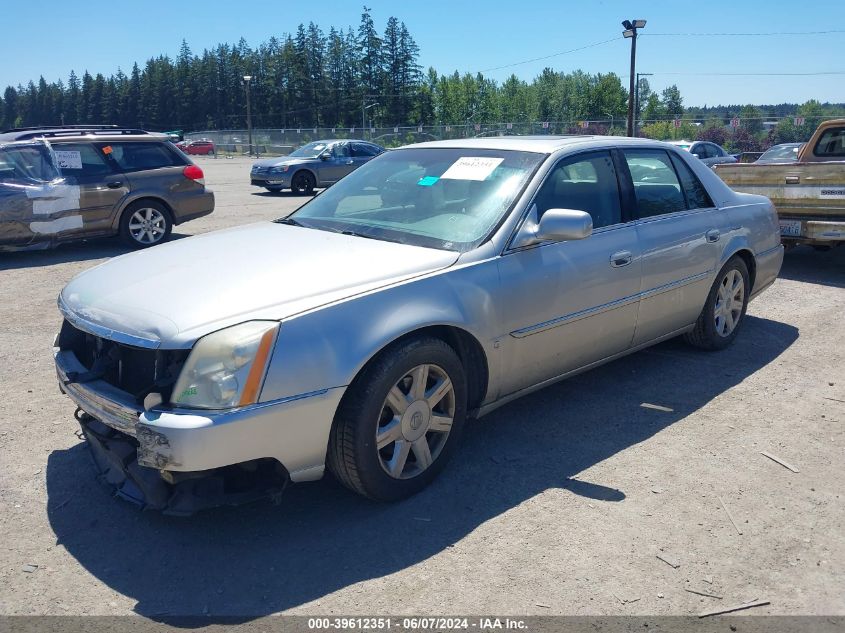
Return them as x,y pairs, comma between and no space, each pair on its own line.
282,141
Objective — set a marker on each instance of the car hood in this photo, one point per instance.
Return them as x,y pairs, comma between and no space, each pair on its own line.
276,162
172,294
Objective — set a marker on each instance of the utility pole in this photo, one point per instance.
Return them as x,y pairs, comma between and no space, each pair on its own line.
637,99
631,32
247,79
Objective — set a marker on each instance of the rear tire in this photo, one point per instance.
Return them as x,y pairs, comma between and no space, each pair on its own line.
400,420
145,223
724,310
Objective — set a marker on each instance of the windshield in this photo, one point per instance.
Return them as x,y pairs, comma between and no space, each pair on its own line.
312,150
785,153
438,198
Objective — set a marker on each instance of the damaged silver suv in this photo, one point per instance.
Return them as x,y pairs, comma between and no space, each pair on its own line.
62,184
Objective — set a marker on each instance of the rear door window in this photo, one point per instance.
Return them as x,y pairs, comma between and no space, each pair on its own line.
142,156
831,143
362,149
656,184
82,161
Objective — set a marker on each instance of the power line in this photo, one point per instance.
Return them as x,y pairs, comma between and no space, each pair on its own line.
709,74
537,59
647,34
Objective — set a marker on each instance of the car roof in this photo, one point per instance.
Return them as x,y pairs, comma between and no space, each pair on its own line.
70,134
544,144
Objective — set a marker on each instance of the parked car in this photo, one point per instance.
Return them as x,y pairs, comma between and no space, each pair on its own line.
317,164
202,147
434,284
809,192
783,153
709,153
61,184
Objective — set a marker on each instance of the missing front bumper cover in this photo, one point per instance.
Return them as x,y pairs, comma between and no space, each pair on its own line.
116,458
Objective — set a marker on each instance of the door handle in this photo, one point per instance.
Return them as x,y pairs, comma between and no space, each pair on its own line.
621,258
713,235
793,180
349,162
117,184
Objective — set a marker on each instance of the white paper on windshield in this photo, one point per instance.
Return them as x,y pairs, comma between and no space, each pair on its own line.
69,159
471,168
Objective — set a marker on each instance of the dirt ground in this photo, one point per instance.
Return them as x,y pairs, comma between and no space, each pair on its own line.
559,503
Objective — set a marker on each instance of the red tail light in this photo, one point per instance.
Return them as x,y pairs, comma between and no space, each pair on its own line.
194,173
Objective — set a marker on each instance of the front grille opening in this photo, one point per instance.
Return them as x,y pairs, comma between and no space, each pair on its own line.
135,370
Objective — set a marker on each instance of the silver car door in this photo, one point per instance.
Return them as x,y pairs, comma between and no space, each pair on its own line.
679,234
568,304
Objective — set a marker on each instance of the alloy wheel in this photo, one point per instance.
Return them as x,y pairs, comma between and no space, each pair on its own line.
147,225
415,421
729,303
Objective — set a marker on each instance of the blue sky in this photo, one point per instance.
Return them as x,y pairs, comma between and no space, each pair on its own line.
50,38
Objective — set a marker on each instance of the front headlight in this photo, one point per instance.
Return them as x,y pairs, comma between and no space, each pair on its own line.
225,369
279,169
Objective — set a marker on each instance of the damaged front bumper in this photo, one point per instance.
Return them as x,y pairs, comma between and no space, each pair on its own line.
159,457
115,456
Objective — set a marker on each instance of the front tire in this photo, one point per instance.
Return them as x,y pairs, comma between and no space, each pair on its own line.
303,183
145,223
400,421
724,310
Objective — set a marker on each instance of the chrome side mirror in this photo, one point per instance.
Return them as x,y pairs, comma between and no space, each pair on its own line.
565,224
555,225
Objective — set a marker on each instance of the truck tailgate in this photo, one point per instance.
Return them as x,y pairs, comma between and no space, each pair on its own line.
797,190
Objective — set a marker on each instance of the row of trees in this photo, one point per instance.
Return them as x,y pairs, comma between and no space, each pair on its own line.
316,79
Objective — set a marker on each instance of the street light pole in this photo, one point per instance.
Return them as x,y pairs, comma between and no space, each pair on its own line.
247,79
364,109
631,32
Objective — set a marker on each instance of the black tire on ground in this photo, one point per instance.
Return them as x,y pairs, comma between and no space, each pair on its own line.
303,182
706,334
145,223
353,455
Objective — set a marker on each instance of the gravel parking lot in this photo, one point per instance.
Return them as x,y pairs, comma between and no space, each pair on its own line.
559,503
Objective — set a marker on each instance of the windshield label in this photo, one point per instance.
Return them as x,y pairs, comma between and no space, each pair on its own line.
472,168
428,181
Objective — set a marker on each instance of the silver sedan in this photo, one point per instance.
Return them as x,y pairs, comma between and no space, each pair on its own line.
430,286
316,164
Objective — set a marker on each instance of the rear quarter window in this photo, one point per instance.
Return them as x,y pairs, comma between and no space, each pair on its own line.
143,156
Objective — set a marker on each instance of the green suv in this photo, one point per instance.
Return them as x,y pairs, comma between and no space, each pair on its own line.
61,184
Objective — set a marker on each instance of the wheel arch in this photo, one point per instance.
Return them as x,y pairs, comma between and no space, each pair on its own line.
466,346
306,169
744,253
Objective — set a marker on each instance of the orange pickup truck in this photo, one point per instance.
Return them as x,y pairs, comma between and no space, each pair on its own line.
809,194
